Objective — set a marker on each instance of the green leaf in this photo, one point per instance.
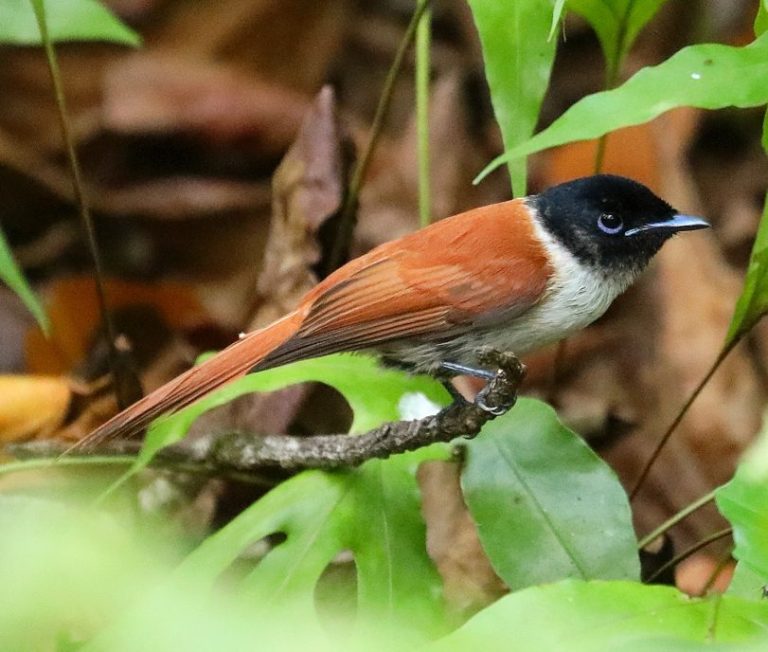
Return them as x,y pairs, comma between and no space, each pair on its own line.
746,583
708,76
744,502
761,20
12,276
68,20
518,60
75,578
752,304
589,616
373,510
60,562
617,24
557,15
546,507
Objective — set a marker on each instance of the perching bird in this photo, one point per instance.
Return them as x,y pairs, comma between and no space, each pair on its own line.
512,276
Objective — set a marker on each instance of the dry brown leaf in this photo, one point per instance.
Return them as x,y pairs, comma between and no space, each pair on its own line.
292,42
470,582
694,573
164,94
308,190
630,152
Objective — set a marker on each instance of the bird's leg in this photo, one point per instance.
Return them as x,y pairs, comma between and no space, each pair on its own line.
455,369
489,398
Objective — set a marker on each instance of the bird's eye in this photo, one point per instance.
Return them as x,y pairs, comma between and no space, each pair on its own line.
610,224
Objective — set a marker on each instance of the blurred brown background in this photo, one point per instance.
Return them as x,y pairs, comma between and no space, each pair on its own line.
204,236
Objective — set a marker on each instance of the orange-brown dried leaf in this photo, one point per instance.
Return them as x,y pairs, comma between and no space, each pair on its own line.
630,152
32,406
694,574
75,317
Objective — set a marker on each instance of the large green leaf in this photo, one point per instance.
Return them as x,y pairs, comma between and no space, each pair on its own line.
708,76
744,502
617,24
593,616
67,20
12,276
546,507
518,60
373,511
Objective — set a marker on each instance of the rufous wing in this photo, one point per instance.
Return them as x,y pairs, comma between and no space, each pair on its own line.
465,270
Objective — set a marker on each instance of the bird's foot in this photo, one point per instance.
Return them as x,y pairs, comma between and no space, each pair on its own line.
500,391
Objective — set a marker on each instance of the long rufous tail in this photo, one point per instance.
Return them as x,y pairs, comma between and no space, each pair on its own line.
234,361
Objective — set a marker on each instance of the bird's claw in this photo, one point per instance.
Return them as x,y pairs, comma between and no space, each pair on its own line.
500,393
495,410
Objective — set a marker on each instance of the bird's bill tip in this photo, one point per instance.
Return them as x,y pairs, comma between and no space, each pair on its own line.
677,222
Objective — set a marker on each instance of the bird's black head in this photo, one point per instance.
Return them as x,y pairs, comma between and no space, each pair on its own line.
610,223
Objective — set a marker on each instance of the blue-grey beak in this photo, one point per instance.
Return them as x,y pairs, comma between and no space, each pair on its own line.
676,223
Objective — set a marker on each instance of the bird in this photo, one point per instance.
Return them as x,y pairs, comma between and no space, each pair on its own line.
512,276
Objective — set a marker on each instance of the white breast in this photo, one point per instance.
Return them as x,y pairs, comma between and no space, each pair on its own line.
576,296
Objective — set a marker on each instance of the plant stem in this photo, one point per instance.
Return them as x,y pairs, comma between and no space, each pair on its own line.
346,219
677,518
715,536
423,38
680,415
58,462
613,66
721,566
77,186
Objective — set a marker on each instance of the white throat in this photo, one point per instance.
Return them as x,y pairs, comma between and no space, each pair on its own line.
576,295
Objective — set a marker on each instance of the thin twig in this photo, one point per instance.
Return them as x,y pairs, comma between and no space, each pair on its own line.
77,186
558,370
346,219
47,454
423,35
246,453
716,572
611,76
715,536
676,421
677,518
